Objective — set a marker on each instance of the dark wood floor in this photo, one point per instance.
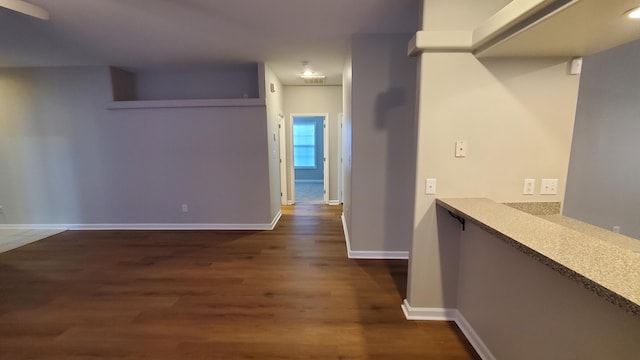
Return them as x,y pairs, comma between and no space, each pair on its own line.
290,293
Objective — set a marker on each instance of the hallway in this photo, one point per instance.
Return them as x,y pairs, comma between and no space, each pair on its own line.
309,192
290,293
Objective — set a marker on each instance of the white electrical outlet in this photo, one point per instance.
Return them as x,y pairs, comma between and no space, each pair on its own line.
185,208
430,187
529,186
549,187
616,229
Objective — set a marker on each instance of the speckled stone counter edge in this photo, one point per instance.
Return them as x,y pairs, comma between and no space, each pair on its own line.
537,208
587,283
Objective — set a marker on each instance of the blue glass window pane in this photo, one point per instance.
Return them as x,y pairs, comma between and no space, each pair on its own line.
304,147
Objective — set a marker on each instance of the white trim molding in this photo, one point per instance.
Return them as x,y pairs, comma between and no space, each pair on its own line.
426,313
334,202
60,227
275,220
442,314
386,255
346,234
359,254
474,339
169,227
269,226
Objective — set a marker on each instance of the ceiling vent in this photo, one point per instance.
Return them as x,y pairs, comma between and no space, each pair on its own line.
314,79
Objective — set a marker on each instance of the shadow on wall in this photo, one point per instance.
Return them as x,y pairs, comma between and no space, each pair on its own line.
396,115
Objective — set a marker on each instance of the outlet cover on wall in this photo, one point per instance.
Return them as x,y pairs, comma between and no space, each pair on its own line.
549,187
461,148
529,187
430,187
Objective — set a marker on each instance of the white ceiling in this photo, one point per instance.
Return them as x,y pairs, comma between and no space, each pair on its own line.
281,33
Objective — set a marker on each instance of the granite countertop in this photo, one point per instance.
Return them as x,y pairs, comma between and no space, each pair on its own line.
609,268
595,231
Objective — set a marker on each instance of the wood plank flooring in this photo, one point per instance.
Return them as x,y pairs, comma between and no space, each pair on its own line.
290,293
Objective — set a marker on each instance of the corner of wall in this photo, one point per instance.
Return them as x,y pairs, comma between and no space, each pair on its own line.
274,108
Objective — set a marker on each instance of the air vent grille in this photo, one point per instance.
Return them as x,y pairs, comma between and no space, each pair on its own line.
314,80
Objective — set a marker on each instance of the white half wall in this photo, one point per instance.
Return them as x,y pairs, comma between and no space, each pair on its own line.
524,310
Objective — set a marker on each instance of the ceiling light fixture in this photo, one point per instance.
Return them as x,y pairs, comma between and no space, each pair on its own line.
311,77
25,8
633,13
308,74
306,70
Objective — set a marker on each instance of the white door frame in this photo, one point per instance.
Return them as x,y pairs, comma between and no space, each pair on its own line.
291,178
340,156
325,156
282,132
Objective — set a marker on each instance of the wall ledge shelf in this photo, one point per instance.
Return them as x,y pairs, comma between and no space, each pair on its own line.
189,103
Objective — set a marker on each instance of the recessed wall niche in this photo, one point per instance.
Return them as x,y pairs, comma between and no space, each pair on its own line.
230,81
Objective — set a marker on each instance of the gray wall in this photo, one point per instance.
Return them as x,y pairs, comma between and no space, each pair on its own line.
604,172
197,82
316,174
383,143
65,159
524,310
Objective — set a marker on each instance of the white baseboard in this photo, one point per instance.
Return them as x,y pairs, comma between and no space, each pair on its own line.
390,255
473,337
346,234
425,313
270,226
334,202
441,314
34,227
275,220
170,227
358,254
